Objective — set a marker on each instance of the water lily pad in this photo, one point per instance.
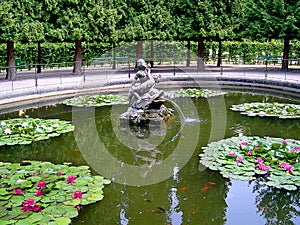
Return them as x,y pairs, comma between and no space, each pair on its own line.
44,198
275,109
96,100
26,130
246,158
198,93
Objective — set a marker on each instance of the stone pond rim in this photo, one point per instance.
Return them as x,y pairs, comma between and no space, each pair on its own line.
281,88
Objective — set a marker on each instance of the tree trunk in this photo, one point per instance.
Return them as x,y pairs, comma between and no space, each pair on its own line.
114,62
151,53
139,49
200,61
77,58
219,63
39,58
11,65
286,49
188,54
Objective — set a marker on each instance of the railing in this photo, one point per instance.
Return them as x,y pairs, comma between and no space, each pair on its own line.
59,76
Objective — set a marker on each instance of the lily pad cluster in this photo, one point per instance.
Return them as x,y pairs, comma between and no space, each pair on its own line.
27,130
275,160
280,110
96,100
34,192
198,93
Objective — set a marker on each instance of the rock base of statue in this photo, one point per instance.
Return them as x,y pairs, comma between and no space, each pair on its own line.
155,114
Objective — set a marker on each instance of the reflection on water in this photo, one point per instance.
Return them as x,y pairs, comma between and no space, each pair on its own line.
192,194
174,215
277,206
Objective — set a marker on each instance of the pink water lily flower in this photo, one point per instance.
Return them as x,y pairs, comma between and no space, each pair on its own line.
282,164
29,201
293,150
288,168
250,152
77,194
79,207
239,159
59,173
38,192
284,142
231,154
18,192
26,208
284,112
37,208
263,167
244,143
71,179
259,160
29,205
41,184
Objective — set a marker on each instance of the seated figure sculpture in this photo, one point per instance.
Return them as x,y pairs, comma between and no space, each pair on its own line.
146,104
143,90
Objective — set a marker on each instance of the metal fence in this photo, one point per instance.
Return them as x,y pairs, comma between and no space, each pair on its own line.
98,71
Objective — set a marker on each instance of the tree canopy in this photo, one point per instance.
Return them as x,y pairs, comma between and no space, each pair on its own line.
114,21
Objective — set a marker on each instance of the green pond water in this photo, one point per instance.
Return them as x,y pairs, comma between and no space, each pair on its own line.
187,193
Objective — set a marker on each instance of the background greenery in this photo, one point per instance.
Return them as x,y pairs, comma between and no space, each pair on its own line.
64,51
241,28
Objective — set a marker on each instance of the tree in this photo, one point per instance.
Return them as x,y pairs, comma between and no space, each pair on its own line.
8,34
272,19
78,21
143,20
199,20
223,23
21,21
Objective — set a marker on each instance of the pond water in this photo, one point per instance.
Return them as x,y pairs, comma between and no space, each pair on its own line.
190,194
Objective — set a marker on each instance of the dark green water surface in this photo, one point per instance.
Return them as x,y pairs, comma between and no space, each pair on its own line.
189,194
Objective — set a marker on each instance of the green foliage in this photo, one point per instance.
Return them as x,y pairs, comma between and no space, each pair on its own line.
96,100
34,192
252,49
270,19
275,109
274,160
57,20
143,20
52,52
27,130
198,93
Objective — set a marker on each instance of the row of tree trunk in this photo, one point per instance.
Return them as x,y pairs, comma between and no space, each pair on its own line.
77,69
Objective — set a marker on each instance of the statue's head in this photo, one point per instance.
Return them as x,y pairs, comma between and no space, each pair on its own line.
141,64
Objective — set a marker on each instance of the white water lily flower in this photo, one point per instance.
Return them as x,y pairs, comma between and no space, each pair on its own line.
7,131
3,124
39,130
49,129
56,125
25,124
262,114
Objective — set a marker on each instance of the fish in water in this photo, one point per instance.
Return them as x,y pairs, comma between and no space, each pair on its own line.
159,210
211,183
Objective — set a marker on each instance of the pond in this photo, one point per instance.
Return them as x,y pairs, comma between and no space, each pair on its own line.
190,194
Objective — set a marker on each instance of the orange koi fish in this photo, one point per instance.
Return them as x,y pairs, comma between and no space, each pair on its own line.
211,183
